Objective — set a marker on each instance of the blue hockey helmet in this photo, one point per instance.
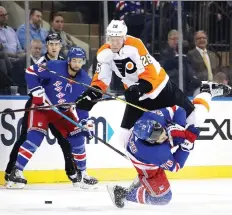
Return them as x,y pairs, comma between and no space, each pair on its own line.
148,130
76,52
150,127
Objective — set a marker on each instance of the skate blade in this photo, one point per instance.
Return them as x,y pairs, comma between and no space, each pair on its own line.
110,190
12,185
85,186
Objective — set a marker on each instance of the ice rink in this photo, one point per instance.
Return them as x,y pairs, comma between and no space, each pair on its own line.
190,197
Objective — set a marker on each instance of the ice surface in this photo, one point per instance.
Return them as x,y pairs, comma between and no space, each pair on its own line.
190,197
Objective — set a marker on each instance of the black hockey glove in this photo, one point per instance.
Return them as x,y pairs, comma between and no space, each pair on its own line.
86,100
134,92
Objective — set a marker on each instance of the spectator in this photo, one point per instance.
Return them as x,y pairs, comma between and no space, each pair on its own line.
35,54
169,61
228,71
57,25
5,79
203,61
36,31
221,78
20,65
36,51
8,38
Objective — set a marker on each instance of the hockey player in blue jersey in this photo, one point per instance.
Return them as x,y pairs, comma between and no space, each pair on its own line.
149,149
56,90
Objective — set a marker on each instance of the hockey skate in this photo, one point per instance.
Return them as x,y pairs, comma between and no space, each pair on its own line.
16,179
84,181
118,195
215,89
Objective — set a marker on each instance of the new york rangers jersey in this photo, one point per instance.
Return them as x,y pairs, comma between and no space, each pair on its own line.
57,89
153,156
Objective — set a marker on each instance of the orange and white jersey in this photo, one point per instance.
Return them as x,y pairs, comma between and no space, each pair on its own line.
133,62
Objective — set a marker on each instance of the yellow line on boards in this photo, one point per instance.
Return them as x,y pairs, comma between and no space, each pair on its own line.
117,174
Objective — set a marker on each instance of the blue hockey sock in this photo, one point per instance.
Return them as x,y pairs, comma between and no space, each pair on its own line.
78,151
140,195
28,148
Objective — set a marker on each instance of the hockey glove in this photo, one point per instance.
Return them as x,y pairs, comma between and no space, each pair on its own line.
86,100
191,134
89,128
38,96
176,134
134,92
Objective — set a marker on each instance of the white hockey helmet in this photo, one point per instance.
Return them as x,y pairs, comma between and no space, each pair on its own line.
116,28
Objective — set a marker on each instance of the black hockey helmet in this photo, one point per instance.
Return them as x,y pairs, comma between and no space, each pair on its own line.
53,37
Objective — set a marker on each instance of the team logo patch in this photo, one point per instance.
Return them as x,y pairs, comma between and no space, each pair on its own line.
125,66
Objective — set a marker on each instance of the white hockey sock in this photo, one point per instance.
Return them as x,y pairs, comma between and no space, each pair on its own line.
202,107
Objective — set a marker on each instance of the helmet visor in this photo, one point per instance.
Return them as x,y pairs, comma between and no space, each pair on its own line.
156,132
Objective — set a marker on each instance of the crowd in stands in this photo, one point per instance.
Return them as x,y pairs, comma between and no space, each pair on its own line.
199,63
13,47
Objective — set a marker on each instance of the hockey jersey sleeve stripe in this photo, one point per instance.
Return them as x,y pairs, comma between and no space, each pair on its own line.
30,71
176,168
99,83
202,102
141,165
172,110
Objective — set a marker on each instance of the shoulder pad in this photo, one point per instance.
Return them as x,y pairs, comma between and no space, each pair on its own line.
105,56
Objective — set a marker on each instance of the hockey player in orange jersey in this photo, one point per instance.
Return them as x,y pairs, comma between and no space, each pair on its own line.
146,82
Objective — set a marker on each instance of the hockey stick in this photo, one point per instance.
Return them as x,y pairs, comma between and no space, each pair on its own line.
94,89
80,126
37,108
49,106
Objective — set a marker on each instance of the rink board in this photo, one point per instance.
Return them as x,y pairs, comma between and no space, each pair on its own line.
211,157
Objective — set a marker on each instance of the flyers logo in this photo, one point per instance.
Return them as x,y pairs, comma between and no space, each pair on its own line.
126,66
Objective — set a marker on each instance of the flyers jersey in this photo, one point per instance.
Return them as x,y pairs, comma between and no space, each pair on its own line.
131,63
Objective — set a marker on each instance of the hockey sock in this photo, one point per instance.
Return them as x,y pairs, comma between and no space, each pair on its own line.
202,106
140,195
28,148
78,151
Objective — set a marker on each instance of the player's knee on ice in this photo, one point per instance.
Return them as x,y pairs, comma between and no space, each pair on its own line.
163,200
136,196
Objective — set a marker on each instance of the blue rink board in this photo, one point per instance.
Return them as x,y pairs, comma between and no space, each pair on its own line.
27,97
